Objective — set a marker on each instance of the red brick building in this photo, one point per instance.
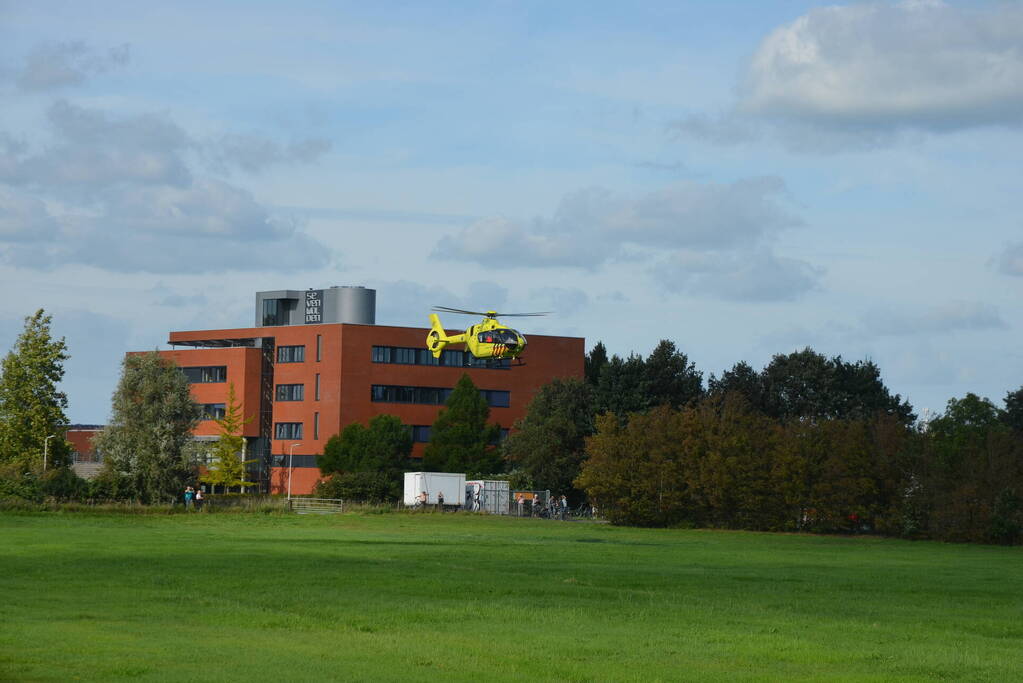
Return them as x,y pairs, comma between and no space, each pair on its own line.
316,362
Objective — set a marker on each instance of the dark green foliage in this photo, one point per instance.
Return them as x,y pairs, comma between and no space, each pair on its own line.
1013,413
460,439
671,379
743,380
144,446
806,384
384,448
31,407
622,387
969,468
548,444
594,363
362,487
721,463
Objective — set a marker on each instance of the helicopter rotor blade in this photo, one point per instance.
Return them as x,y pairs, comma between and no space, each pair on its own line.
447,309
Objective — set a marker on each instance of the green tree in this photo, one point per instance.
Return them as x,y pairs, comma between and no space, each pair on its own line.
808,385
971,471
31,406
594,363
671,379
152,418
460,439
227,468
549,443
742,379
622,387
635,472
1013,414
383,449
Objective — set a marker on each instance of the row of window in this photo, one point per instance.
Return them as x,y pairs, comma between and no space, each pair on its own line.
296,354
209,374
434,396
403,355
292,431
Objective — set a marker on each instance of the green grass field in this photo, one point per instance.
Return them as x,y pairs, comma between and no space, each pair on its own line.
461,597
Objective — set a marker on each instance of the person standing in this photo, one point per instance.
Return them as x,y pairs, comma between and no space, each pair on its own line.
189,494
440,501
564,507
199,499
521,503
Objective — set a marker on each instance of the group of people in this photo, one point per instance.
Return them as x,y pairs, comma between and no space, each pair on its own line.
194,498
557,507
422,498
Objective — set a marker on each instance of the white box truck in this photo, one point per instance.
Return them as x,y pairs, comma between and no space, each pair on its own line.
432,483
487,495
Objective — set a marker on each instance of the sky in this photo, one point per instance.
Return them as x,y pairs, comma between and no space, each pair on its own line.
744,179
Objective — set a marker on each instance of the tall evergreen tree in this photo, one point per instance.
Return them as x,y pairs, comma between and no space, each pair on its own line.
31,406
622,387
152,418
671,379
594,363
1013,414
460,439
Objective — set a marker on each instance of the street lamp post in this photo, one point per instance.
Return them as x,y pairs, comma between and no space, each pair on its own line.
291,454
46,449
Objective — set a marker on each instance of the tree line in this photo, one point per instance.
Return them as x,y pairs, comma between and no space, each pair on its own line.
808,443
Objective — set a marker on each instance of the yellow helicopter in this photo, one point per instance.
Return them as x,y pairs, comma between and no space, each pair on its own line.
488,339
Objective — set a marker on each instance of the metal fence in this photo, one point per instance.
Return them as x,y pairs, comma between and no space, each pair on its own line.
316,506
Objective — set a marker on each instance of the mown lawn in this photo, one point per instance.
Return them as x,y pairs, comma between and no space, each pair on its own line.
461,597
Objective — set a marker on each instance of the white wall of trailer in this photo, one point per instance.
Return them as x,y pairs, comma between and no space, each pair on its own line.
451,484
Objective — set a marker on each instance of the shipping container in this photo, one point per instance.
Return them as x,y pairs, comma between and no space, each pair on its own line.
488,495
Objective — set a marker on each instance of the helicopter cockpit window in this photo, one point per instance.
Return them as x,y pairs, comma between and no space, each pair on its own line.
508,337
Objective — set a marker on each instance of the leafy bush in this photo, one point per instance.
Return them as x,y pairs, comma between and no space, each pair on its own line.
367,487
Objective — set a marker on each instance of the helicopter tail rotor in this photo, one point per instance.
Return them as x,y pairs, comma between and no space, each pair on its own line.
437,338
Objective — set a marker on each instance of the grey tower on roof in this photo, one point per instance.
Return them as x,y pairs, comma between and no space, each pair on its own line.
357,305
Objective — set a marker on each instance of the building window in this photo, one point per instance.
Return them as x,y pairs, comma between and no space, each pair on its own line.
449,358
272,311
213,411
316,425
288,430
319,348
210,374
420,433
290,354
317,388
290,392
435,396
495,398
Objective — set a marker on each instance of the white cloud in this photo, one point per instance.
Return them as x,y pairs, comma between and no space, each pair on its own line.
740,276
55,65
951,316
920,64
593,226
118,193
92,151
859,75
